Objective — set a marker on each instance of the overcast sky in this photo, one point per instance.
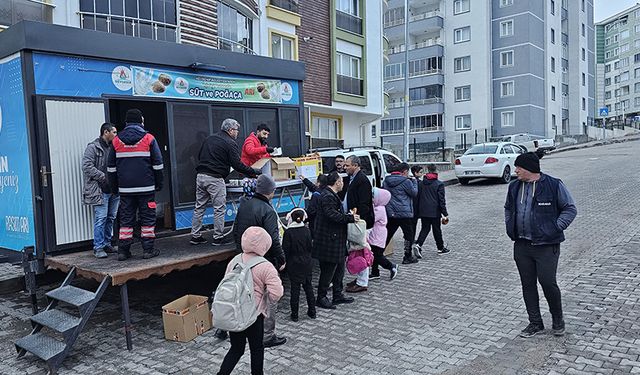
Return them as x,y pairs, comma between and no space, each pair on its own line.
607,8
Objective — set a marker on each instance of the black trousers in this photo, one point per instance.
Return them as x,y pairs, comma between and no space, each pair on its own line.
253,334
538,264
407,230
379,260
295,294
330,273
429,223
132,208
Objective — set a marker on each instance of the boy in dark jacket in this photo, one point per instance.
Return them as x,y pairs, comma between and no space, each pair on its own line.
313,206
400,208
432,208
297,246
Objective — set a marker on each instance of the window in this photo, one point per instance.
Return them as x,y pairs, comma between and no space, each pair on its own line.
506,59
624,48
636,88
607,81
583,5
138,18
553,64
584,79
584,55
624,76
463,122
507,88
552,6
290,5
553,121
636,73
351,7
348,74
616,79
553,93
636,102
505,3
392,126
616,65
325,127
506,28
390,161
235,31
636,43
462,93
394,17
636,58
348,16
461,6
624,34
425,66
584,104
462,64
283,47
607,41
462,34
425,123
637,13
607,68
553,36
425,94
508,119
373,131
607,94
393,71
624,62
584,30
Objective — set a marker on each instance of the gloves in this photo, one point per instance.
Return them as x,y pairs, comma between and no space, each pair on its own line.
270,149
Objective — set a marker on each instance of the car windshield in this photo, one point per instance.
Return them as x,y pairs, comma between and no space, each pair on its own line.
482,149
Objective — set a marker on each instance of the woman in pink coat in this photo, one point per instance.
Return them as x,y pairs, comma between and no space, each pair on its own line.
378,235
255,242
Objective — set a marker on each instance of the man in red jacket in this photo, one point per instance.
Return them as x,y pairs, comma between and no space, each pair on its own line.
255,146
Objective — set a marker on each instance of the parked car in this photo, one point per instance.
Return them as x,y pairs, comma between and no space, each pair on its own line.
377,163
529,141
488,160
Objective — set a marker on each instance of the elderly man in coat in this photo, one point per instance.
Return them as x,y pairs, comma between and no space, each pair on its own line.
330,243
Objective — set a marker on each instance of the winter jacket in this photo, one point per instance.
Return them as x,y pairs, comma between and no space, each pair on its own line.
551,212
377,236
134,164
265,276
253,150
403,190
360,196
218,153
94,171
297,246
330,238
313,205
431,199
258,211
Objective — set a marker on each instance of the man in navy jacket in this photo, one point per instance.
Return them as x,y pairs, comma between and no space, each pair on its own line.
537,211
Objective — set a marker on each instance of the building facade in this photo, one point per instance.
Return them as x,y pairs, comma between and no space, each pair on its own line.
618,66
488,68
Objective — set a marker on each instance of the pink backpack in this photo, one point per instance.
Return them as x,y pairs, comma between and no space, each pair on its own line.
358,260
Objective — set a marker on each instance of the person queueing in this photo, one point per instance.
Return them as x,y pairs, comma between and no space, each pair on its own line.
400,208
134,169
314,203
266,283
297,246
432,209
377,236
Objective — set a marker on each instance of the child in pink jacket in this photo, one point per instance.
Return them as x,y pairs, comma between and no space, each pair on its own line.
378,235
255,242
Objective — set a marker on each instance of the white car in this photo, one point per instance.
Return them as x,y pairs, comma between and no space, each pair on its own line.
488,160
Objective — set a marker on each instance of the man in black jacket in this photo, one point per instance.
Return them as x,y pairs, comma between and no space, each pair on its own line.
432,207
258,211
218,154
359,193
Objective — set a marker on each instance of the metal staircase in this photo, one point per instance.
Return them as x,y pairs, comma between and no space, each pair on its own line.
65,327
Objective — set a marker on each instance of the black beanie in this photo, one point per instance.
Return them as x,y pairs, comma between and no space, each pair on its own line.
529,161
134,116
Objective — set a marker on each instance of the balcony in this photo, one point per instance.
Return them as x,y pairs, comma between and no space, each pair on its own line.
421,23
427,43
425,101
564,14
348,22
413,130
425,15
349,85
385,49
290,5
565,102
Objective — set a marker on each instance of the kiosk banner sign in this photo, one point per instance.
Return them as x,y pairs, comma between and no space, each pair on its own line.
172,84
16,205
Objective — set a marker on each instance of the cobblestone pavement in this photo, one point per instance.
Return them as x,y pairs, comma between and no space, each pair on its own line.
455,314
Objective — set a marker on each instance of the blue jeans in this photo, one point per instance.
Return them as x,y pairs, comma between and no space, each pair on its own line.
105,215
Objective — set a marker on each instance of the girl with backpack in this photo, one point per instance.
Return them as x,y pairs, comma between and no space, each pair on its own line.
266,287
297,246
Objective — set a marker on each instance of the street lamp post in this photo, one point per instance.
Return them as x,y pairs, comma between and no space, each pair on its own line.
407,128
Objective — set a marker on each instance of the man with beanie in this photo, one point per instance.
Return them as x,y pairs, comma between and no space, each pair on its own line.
255,146
537,211
134,168
217,155
257,211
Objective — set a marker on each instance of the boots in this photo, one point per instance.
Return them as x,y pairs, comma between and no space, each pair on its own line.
408,254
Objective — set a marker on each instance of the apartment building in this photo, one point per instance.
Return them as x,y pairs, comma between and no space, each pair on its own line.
618,66
487,68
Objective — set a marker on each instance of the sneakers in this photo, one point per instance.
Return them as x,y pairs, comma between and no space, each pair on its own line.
150,254
197,240
558,328
411,260
342,300
110,250
220,334
416,250
532,330
394,272
444,250
352,283
325,304
100,254
355,289
221,241
374,275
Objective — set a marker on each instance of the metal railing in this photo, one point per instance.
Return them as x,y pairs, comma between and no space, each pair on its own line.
290,5
233,46
393,105
348,22
426,43
128,22
434,100
393,23
427,72
412,130
421,16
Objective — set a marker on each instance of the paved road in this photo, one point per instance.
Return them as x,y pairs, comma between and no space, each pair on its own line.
453,314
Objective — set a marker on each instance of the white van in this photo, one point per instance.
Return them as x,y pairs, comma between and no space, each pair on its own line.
376,162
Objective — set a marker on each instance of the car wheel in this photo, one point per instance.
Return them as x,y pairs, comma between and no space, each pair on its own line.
506,175
463,181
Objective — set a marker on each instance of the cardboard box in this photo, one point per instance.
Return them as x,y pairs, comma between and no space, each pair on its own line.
308,166
186,318
278,168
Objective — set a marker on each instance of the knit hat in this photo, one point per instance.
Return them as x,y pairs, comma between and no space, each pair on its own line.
134,116
265,185
256,240
529,161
